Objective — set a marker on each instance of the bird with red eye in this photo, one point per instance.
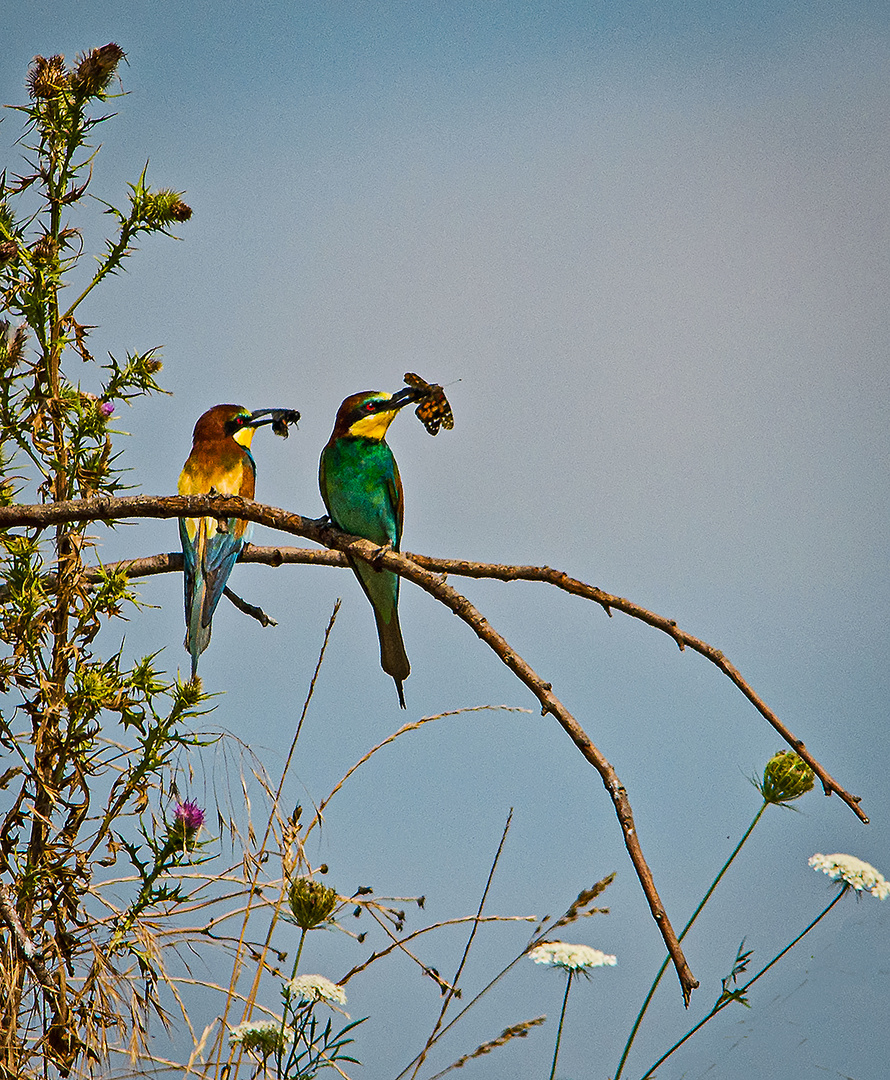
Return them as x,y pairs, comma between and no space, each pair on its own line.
360,484
220,463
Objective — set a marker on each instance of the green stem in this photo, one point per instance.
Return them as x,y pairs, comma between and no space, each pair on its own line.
279,1053
111,262
293,974
562,1017
723,1001
686,928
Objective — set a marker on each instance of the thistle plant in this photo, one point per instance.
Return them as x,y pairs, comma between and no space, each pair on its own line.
75,785
176,843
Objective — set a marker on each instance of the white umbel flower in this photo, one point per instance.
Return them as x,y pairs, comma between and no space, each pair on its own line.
571,958
853,872
264,1036
316,988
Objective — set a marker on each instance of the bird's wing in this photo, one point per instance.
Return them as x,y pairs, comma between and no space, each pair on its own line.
221,552
396,496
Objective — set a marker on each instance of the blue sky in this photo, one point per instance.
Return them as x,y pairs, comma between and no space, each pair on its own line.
650,240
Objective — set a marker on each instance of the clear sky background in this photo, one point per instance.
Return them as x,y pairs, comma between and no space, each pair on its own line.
650,240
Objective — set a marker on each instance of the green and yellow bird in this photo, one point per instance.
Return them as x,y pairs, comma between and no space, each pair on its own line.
220,463
362,490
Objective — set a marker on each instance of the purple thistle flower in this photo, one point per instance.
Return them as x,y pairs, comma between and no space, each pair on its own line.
188,818
106,408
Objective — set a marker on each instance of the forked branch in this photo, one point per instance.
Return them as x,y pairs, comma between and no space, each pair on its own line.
428,574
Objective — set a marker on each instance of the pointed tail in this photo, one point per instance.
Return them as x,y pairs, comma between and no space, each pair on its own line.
382,589
393,658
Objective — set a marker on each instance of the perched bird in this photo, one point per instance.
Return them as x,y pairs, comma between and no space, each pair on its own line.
220,463
361,488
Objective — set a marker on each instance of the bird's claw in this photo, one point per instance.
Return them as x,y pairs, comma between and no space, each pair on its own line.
377,557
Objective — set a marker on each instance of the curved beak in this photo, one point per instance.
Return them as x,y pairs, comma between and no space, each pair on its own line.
406,396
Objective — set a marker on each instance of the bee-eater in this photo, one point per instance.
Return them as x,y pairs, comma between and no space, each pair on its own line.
362,490
221,463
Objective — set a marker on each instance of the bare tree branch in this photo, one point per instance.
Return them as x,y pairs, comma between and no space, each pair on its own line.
278,556
429,574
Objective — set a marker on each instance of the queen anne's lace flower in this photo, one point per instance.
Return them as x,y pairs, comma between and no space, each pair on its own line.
264,1036
571,958
316,988
853,872
311,903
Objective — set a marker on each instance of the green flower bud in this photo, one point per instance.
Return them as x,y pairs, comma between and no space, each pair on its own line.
311,902
785,777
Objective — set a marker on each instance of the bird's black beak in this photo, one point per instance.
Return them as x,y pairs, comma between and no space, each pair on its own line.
406,396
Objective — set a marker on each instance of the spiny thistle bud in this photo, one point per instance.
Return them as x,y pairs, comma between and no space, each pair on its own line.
188,818
311,903
95,69
45,250
8,250
785,777
156,209
47,76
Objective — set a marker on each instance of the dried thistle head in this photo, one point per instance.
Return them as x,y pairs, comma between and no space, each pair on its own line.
8,250
47,76
45,250
179,211
785,777
311,903
95,70
12,344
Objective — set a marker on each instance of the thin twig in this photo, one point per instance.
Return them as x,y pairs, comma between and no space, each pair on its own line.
460,967
236,968
412,725
378,955
254,612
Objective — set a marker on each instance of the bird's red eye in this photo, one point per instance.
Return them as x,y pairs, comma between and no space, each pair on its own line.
369,406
